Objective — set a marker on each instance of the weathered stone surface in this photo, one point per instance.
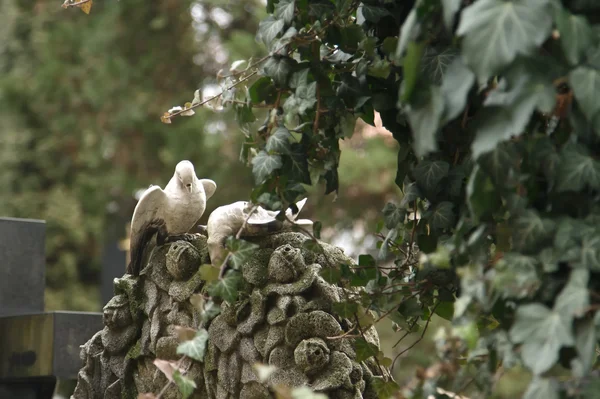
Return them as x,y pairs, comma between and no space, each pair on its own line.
283,318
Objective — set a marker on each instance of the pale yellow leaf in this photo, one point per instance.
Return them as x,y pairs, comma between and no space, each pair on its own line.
86,7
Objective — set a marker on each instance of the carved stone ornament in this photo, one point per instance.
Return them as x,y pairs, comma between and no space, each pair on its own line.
282,318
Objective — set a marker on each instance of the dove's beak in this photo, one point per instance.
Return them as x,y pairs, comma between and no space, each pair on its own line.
189,187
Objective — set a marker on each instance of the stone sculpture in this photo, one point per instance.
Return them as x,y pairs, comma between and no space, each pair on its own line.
227,220
171,212
283,317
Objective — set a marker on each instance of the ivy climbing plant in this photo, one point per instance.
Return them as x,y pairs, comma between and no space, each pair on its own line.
495,106
496,109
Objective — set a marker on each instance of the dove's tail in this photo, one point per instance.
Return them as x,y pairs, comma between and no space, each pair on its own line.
138,245
299,205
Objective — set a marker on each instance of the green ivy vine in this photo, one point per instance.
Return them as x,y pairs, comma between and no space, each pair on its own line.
495,106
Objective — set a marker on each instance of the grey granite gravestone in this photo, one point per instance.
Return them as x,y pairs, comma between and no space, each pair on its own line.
23,266
36,347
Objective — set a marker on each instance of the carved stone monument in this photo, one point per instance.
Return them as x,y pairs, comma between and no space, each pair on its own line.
283,317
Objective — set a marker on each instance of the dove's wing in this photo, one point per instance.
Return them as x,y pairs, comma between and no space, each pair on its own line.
147,219
262,216
209,187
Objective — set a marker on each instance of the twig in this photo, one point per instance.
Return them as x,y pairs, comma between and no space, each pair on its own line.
237,237
418,339
406,333
68,4
346,334
213,97
257,62
318,111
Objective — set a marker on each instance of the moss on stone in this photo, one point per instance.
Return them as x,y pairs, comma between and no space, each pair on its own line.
282,318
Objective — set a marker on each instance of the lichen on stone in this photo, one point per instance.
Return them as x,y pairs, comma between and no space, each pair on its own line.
282,318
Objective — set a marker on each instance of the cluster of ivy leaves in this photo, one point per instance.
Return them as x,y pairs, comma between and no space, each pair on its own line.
496,109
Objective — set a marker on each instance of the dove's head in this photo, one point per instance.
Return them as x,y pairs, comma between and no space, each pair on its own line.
186,175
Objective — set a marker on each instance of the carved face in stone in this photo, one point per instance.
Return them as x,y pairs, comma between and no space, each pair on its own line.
286,264
116,313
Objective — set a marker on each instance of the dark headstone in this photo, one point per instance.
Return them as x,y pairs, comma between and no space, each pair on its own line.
113,266
36,347
45,344
23,266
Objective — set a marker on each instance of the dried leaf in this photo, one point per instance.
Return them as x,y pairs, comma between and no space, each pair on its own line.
166,117
86,7
263,371
168,368
197,301
188,112
185,333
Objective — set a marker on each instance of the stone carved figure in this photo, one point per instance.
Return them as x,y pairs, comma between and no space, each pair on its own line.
171,212
282,318
227,220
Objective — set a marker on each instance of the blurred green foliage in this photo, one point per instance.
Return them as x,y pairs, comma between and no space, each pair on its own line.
80,98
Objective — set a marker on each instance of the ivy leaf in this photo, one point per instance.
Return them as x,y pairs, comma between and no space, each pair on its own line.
499,163
495,32
482,197
262,90
575,34
542,388
411,193
408,32
278,68
263,165
320,8
364,349
279,141
284,10
412,68
509,108
208,272
393,215
574,298
515,275
442,216
436,62
299,78
345,309
268,29
317,226
331,274
373,13
542,332
380,68
424,119
297,164
185,385
337,57
445,310
585,82
227,287
383,388
590,251
530,231
585,343
240,250
196,347
450,8
456,84
428,174
577,169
